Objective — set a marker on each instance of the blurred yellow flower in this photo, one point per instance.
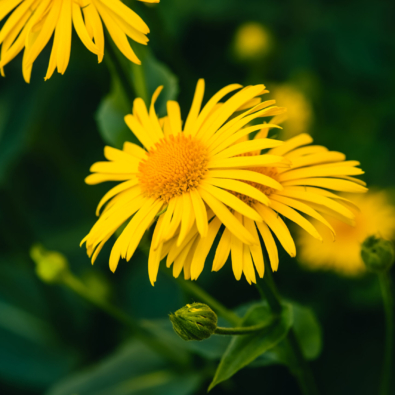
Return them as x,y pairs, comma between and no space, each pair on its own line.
31,24
183,176
376,217
252,41
299,114
300,189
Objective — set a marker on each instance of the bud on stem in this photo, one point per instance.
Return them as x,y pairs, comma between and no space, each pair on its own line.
194,321
51,266
377,254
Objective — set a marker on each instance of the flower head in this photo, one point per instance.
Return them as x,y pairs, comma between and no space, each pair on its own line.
31,24
252,41
376,216
194,321
186,177
304,189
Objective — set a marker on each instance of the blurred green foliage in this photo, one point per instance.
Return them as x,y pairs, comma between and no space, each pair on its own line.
340,55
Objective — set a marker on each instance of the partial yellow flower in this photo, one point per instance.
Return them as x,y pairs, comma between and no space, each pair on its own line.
31,24
252,41
184,175
376,216
299,116
304,188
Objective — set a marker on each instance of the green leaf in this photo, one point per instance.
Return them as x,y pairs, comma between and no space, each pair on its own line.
110,118
133,370
308,332
244,349
151,74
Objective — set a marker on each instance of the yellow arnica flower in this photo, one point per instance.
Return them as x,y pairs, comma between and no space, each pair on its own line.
185,174
31,24
304,188
376,216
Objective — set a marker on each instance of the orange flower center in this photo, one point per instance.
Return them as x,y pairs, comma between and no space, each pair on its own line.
174,166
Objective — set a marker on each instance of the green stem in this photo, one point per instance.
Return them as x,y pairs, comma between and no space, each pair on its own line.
388,301
243,330
117,68
203,296
140,82
145,336
301,368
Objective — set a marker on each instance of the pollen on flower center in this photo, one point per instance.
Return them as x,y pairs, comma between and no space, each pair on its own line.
174,166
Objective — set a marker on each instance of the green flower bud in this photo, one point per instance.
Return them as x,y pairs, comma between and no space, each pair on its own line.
195,321
377,254
51,266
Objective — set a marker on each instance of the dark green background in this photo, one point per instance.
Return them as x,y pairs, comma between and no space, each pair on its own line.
341,54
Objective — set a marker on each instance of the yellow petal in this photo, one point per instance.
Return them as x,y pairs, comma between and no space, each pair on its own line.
256,250
227,218
295,217
248,146
203,248
81,29
278,226
240,187
230,200
223,250
195,107
200,213
270,245
246,175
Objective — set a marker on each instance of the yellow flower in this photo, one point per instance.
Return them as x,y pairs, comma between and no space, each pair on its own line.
252,41
301,189
376,216
31,23
299,114
183,175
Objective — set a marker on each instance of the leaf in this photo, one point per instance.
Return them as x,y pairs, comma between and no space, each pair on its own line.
308,332
154,73
132,370
110,118
244,349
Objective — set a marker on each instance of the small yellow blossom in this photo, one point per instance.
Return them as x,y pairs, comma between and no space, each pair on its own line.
376,216
252,41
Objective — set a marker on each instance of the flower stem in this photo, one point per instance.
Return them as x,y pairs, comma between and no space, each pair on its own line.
117,68
244,330
388,301
203,296
76,285
300,368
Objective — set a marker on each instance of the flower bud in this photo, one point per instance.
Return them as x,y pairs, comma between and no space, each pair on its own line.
195,321
377,254
51,266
